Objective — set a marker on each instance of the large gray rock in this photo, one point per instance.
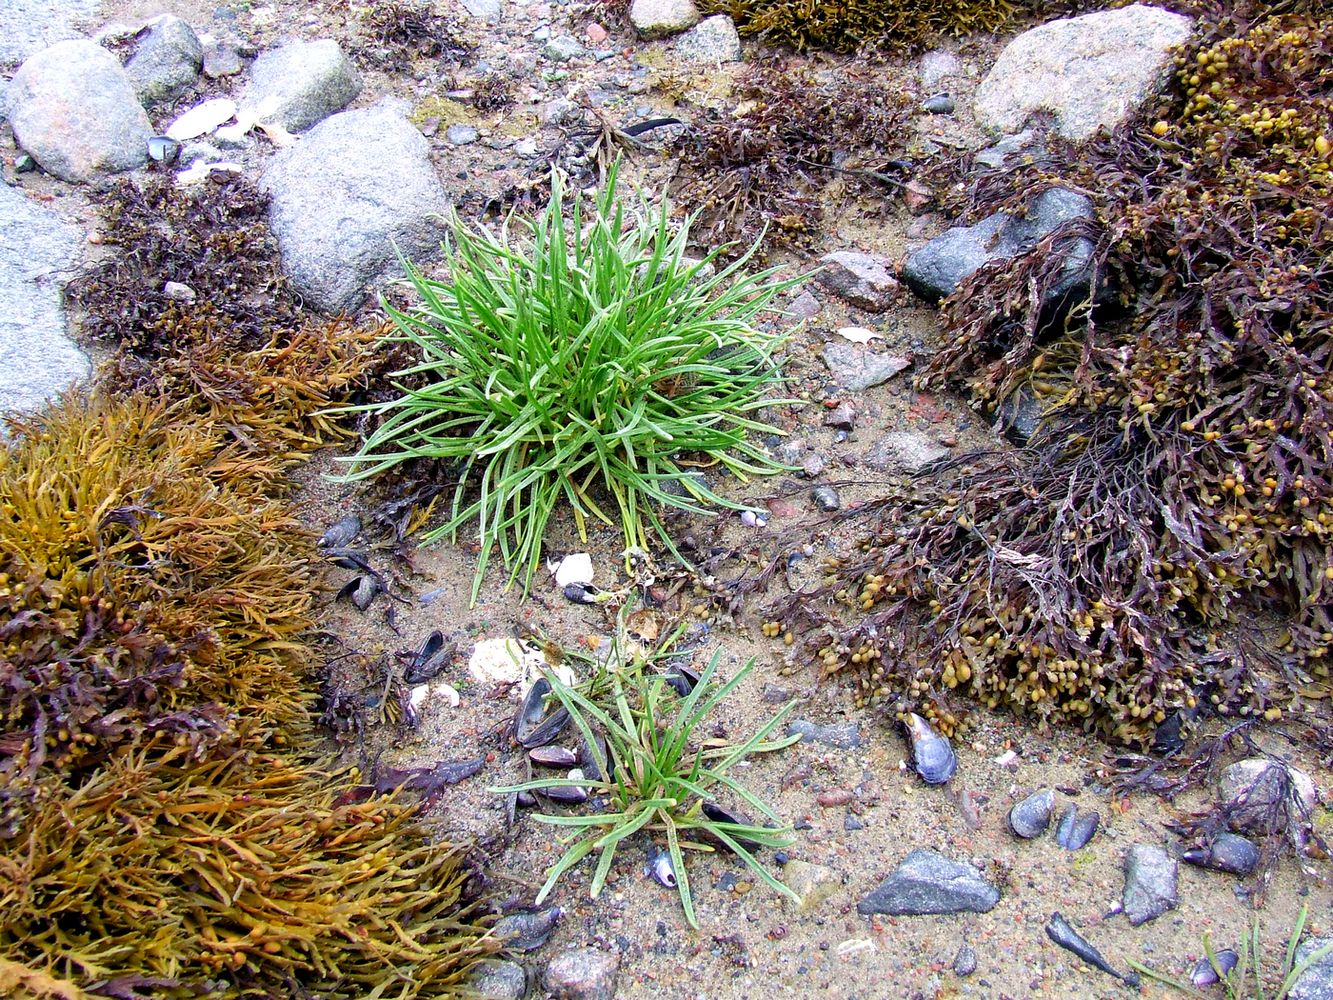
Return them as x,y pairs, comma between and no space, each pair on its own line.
939,267
167,60
911,451
713,40
37,358
583,974
1090,72
28,26
495,979
1316,982
863,279
342,197
73,109
655,18
928,882
857,369
301,83
1267,796
1150,883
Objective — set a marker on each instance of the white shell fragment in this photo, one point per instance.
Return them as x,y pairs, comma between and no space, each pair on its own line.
423,693
575,568
199,171
508,661
202,119
753,519
859,334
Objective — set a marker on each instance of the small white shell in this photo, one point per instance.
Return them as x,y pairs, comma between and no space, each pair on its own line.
202,119
574,568
753,519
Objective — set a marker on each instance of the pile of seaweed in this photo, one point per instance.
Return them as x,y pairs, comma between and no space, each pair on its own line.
1165,541
763,170
167,826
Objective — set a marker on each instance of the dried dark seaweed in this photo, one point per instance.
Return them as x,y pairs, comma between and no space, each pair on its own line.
763,167
1165,539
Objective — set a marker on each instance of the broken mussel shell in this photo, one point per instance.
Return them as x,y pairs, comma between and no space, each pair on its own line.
163,149
533,725
584,593
341,533
432,657
1031,817
932,756
1076,828
718,814
1206,972
527,931
659,867
553,756
361,590
1228,852
567,794
682,679
1059,931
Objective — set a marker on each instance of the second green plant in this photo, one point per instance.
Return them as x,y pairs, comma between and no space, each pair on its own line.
583,360
657,777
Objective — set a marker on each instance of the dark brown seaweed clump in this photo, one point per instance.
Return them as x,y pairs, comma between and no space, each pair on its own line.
236,345
793,132
162,833
214,241
1165,538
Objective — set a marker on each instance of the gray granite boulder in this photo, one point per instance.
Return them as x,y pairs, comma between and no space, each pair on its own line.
1267,796
354,187
655,18
1316,982
863,279
496,979
583,974
910,451
937,269
166,61
301,83
1090,72
856,368
928,882
1150,883
37,250
713,40
74,111
28,26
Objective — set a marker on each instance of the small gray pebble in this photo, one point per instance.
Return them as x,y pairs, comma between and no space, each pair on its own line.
461,135
826,498
938,104
965,962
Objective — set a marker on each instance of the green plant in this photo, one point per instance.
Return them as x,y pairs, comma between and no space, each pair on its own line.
1249,968
655,780
588,355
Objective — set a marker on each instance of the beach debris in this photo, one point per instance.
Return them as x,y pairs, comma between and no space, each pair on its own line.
932,756
1208,971
1227,852
533,725
1059,930
659,867
1076,828
573,568
1031,817
202,119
